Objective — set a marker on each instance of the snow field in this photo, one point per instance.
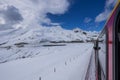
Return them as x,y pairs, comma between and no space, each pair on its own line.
56,63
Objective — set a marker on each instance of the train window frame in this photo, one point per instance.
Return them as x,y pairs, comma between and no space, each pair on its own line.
116,45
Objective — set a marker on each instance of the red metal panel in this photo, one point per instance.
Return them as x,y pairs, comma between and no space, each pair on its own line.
110,26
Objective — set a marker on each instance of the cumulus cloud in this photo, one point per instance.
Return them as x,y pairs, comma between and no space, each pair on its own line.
9,17
87,20
29,13
104,15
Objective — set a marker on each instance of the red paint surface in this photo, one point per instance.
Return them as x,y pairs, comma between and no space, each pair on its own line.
110,27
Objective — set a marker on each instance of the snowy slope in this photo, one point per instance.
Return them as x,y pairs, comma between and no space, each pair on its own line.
52,63
43,34
21,42
45,54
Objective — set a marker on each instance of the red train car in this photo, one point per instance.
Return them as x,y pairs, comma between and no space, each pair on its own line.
107,48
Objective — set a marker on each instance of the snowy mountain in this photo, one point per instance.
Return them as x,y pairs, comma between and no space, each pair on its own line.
46,53
44,34
13,42
90,35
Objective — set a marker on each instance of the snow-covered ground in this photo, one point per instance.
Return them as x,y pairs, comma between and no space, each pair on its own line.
68,62
46,53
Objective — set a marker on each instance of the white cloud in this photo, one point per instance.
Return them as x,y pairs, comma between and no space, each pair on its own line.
110,3
2,21
30,13
87,20
104,15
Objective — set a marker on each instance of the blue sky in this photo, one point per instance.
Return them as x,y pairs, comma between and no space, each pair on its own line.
88,15
83,14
